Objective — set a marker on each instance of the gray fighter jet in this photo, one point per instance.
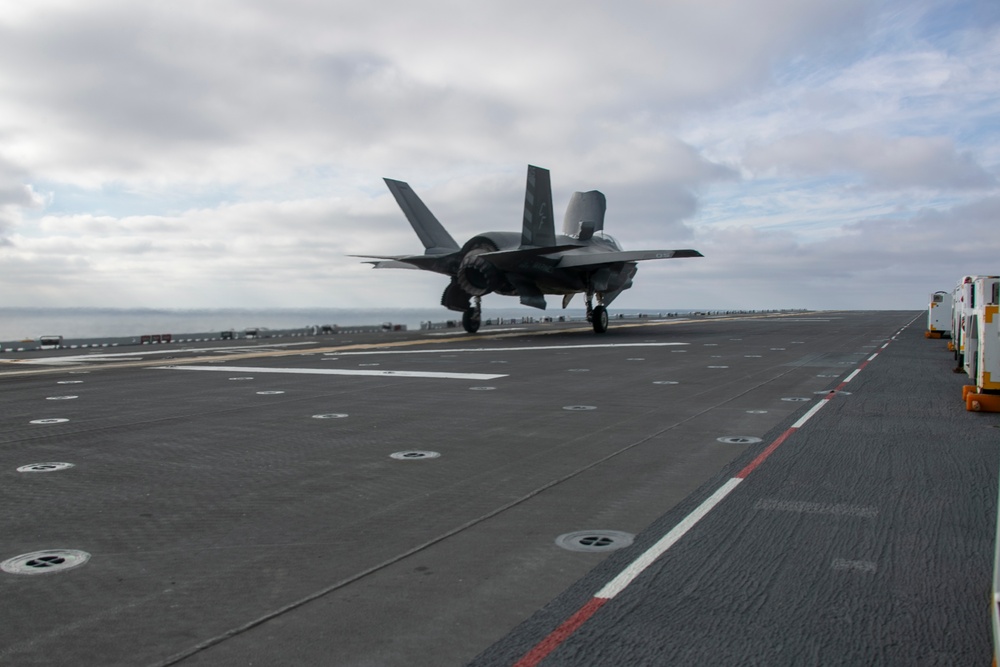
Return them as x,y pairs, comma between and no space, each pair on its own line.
530,264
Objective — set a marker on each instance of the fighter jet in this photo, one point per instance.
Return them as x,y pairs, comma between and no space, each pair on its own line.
530,264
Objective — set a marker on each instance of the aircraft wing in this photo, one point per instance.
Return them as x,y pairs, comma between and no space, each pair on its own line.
507,259
576,260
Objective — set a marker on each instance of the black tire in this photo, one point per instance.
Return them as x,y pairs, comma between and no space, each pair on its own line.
471,320
600,319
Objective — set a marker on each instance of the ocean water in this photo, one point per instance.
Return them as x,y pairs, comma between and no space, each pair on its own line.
30,323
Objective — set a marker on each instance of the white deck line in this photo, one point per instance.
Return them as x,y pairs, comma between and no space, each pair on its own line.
508,349
335,371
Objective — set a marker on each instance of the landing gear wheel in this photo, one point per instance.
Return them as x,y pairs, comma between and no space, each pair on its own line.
600,319
471,320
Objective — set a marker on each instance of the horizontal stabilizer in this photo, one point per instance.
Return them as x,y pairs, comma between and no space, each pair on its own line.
599,258
389,264
431,232
439,263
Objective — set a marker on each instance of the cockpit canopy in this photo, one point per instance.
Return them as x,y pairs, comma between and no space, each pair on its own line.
609,238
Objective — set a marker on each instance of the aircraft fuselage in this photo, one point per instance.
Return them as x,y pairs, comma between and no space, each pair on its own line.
529,264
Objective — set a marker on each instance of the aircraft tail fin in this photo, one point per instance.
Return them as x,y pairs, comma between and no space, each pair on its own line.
538,228
585,214
432,233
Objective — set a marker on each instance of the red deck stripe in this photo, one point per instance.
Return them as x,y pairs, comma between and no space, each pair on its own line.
764,454
559,635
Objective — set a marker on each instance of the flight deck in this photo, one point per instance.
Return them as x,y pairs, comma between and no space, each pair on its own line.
798,488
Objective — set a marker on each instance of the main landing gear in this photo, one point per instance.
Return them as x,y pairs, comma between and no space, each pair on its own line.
598,317
473,317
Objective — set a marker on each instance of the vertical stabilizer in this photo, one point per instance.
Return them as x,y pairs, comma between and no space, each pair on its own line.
538,228
432,233
584,214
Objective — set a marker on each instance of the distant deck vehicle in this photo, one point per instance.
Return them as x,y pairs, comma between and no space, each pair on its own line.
961,308
50,341
939,316
982,350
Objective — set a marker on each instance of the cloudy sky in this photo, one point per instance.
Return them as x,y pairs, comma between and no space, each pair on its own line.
820,153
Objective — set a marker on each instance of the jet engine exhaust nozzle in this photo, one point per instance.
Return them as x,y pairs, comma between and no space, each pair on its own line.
476,275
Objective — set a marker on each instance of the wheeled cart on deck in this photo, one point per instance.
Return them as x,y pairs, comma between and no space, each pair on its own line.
982,348
939,316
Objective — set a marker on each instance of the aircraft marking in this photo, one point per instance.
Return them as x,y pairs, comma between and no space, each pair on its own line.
338,371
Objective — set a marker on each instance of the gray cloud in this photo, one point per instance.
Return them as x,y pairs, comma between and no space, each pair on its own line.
884,263
231,152
15,197
129,92
882,162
